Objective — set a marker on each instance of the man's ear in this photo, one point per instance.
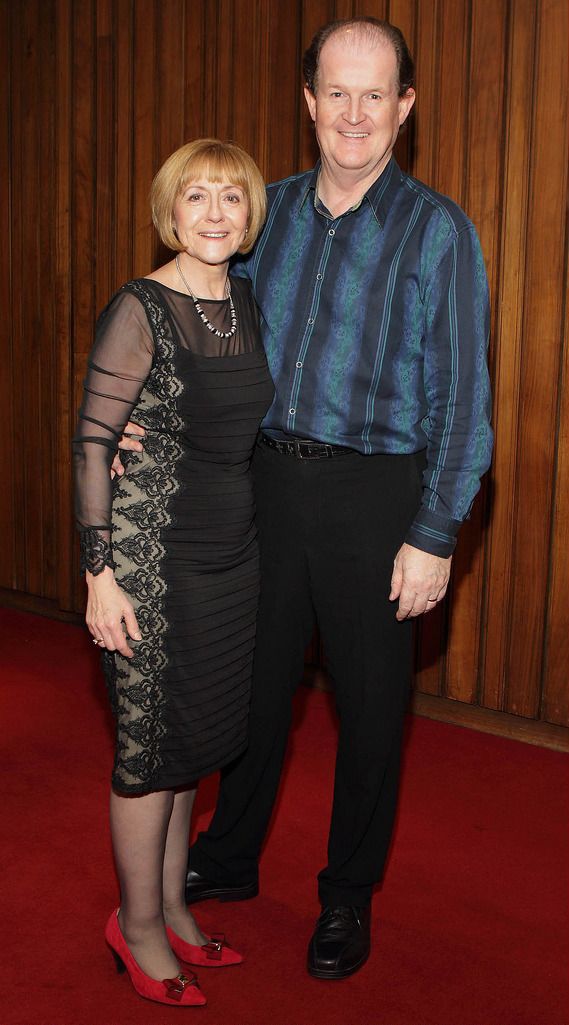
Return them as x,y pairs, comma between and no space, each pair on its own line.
310,102
405,104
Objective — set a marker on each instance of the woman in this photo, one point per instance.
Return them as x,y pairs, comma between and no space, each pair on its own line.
170,548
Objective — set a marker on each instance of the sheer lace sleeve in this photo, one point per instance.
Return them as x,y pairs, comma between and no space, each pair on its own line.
119,363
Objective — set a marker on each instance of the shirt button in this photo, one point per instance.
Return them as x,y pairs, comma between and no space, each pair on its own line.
319,277
299,364
331,232
292,411
311,320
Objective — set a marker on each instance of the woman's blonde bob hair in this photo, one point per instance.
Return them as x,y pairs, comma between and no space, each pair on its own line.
207,160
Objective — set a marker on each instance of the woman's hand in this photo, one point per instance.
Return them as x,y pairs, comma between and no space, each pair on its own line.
107,606
128,443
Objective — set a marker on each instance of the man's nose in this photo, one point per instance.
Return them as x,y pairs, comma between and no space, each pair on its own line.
354,113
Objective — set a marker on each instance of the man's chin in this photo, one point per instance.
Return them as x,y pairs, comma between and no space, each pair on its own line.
359,162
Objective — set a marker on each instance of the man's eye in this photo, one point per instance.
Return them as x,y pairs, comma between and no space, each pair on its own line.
374,96
336,95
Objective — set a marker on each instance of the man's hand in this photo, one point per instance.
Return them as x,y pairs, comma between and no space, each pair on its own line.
129,444
419,580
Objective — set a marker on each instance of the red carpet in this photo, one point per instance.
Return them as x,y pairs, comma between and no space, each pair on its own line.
469,929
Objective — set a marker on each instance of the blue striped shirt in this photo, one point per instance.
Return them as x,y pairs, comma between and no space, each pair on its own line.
375,325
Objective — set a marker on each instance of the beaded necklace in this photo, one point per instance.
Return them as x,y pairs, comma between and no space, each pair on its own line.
208,324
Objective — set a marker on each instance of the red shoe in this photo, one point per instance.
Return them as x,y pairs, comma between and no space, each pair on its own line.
213,954
183,991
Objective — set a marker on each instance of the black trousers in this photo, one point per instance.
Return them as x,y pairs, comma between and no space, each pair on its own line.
329,530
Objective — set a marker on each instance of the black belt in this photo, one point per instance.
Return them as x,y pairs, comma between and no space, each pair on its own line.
303,448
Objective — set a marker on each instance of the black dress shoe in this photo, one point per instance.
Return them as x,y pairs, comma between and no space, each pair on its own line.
340,943
199,888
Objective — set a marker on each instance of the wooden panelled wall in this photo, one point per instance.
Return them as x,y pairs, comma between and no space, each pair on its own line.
96,93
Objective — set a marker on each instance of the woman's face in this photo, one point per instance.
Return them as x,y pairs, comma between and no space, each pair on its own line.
211,220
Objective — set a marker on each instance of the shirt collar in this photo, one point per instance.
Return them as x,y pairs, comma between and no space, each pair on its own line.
310,186
380,195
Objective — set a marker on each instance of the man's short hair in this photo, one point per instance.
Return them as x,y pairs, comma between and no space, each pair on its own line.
369,28
211,160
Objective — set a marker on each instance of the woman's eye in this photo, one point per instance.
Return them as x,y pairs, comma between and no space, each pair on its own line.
232,197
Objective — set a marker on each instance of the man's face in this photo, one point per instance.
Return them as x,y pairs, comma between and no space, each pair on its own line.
356,110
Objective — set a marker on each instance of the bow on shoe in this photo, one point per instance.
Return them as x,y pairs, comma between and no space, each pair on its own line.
175,988
214,947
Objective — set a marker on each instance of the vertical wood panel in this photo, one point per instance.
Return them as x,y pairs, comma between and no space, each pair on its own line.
99,92
144,117
66,577
540,366
26,366
84,192
425,114
194,75
20,497
452,99
284,46
222,82
169,104
32,282
105,153
555,690
402,13
195,101
377,8
83,195
7,326
209,45
250,71
507,350
431,634
123,200
344,9
45,348
483,152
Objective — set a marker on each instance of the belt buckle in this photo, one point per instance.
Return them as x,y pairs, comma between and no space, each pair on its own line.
297,449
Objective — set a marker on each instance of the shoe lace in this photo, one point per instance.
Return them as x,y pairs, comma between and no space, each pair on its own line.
339,916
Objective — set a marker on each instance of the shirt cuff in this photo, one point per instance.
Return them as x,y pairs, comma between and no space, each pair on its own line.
433,533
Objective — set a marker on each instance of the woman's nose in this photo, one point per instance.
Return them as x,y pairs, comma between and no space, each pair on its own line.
215,212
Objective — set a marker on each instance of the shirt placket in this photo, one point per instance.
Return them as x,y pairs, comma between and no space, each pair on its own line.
310,325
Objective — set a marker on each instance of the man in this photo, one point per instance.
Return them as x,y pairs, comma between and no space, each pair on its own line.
375,320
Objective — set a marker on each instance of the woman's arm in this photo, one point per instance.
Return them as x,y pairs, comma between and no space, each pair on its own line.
118,366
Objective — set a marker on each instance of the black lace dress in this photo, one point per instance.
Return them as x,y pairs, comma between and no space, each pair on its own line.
178,527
